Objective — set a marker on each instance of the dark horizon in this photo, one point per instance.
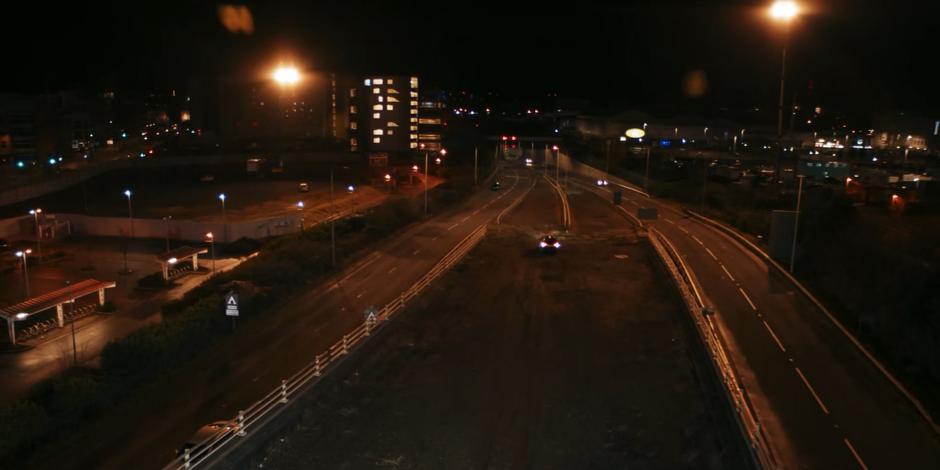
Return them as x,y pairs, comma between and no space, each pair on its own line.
841,55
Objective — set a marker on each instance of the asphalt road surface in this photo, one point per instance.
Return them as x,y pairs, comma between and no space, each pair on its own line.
145,431
521,360
823,404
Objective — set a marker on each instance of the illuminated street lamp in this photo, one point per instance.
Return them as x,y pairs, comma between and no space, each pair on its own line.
555,149
783,11
35,213
25,255
437,160
211,239
130,210
350,189
286,75
224,219
300,208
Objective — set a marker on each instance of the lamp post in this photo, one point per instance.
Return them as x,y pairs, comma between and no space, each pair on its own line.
72,322
300,208
286,77
224,219
130,211
796,223
332,223
25,256
211,239
555,148
783,11
35,213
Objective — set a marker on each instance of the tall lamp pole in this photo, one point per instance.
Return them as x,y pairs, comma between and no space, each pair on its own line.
130,211
783,11
796,223
211,239
167,220
425,181
25,255
35,213
332,223
224,219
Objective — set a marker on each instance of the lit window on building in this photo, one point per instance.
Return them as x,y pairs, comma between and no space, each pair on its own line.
354,142
414,137
414,119
352,109
429,136
368,82
376,140
414,128
390,81
392,91
354,125
389,107
414,111
392,124
424,104
392,99
376,91
390,132
376,107
352,92
381,98
414,82
377,131
414,94
429,120
377,81
413,145
376,115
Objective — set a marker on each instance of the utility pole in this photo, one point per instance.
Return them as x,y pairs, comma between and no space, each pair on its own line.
72,316
646,178
796,223
783,70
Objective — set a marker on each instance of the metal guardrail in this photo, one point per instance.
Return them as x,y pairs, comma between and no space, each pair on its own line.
832,318
746,417
256,415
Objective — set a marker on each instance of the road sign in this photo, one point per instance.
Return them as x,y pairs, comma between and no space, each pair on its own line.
369,313
231,304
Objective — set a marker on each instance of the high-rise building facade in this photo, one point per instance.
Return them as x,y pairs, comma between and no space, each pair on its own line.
383,115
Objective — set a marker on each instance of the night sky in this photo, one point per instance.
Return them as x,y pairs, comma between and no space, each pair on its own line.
851,55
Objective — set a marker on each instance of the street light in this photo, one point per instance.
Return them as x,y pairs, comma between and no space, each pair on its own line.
783,11
25,255
286,75
423,147
300,208
796,223
35,213
211,239
130,210
224,219
555,149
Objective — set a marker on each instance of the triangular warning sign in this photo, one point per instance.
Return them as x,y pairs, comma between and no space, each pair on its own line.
231,300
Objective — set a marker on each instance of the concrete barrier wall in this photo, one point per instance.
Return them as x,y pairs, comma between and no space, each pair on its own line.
190,230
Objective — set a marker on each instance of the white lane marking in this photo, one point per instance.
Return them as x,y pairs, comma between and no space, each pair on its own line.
774,335
415,253
748,299
669,221
390,271
858,458
727,273
683,229
811,390
476,212
712,254
696,239
360,294
452,226
433,239
464,219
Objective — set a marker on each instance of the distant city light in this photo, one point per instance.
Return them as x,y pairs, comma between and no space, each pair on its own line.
784,10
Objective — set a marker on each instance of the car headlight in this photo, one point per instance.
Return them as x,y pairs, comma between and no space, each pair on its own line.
543,244
557,245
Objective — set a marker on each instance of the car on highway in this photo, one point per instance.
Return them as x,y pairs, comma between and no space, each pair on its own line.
528,162
602,182
303,187
495,186
549,244
4,244
207,438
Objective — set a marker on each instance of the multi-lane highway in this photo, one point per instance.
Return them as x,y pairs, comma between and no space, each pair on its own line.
822,403
146,431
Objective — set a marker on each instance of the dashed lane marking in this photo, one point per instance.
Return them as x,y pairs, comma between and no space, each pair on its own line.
723,268
774,336
748,299
812,391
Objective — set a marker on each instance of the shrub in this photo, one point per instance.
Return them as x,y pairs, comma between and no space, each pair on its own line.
20,424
